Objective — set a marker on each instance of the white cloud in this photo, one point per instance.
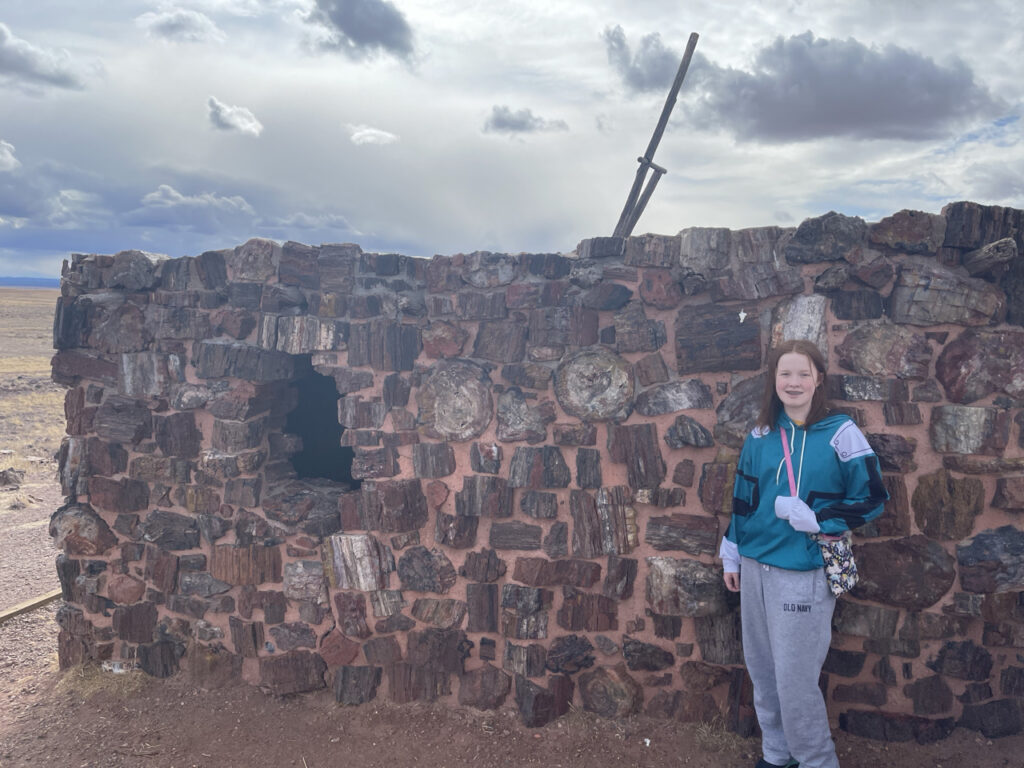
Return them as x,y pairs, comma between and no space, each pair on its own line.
24,64
231,118
8,162
365,134
75,209
205,212
181,25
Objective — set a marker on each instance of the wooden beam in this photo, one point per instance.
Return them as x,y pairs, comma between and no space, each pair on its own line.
29,605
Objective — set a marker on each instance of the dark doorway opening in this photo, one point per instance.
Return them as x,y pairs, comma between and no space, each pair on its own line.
315,420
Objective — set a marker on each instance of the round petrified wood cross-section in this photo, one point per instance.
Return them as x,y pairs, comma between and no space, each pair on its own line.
595,385
455,402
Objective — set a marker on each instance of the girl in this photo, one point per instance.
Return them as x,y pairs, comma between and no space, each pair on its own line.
785,602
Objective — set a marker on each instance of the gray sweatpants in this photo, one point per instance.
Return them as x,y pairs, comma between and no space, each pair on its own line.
787,630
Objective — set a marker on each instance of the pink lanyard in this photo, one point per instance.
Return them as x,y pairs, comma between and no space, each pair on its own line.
789,462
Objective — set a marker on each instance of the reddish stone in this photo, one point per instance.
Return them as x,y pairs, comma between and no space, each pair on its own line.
437,494
659,289
443,339
338,650
124,589
78,530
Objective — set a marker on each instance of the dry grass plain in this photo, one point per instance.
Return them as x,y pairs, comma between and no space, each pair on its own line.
87,718
31,428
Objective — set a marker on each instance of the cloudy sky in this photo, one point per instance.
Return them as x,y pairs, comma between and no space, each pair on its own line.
445,126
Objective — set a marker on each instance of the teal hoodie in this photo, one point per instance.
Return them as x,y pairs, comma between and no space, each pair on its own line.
838,477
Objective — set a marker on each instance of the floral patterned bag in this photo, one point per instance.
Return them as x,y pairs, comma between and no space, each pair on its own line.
840,569
836,551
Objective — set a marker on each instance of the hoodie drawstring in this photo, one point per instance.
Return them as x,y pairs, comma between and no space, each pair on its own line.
792,442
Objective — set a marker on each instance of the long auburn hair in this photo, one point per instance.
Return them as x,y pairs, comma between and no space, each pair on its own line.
771,406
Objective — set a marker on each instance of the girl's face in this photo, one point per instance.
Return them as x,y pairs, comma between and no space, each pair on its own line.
795,382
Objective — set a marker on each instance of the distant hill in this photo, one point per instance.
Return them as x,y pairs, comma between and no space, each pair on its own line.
30,282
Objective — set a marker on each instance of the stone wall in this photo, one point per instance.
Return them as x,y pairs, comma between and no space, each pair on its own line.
538,454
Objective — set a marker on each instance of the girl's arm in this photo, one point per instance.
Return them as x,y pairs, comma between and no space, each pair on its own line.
864,493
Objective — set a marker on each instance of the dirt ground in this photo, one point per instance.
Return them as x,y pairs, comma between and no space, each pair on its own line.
88,718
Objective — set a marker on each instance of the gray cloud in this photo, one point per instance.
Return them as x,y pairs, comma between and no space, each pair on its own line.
229,118
24,64
180,25
504,120
362,28
651,68
205,212
804,88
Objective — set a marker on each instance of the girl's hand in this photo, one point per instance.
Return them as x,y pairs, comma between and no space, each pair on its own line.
799,515
732,581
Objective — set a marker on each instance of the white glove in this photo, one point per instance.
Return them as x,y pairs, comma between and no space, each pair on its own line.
799,515
730,555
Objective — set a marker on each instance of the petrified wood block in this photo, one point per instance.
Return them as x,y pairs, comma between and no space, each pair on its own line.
500,342
912,572
688,431
539,505
514,535
969,429
526,660
595,384
611,692
455,402
484,688
357,561
519,421
574,434
431,460
356,685
485,457
684,588
588,468
569,654
484,496
253,564
78,530
135,623
247,637
293,635
383,345
539,572
930,294
542,467
992,560
483,566
170,530
445,613
645,656
556,542
716,338
292,672
696,534
636,445
456,531
482,600
587,611
423,570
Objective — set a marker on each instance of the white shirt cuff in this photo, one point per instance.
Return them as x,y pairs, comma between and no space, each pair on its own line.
730,555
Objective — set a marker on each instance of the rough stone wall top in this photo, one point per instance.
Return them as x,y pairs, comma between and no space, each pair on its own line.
542,449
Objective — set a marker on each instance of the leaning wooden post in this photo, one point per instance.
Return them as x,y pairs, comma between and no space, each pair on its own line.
635,203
